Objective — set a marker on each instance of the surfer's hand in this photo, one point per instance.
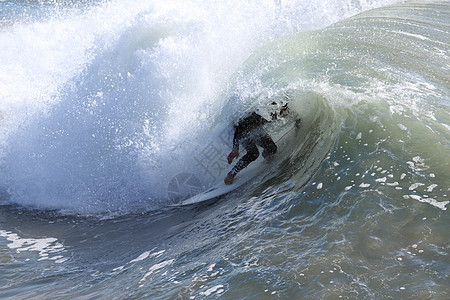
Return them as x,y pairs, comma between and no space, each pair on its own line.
229,179
233,154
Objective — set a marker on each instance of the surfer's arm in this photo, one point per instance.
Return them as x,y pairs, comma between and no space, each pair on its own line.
286,111
236,137
235,152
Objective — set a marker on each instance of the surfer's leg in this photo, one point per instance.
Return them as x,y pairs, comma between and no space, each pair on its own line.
269,146
251,155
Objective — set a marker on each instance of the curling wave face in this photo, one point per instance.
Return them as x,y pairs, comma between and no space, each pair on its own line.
100,117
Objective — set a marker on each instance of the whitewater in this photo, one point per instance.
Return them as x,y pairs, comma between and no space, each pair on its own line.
112,111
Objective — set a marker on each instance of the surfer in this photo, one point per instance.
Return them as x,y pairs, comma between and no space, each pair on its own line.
250,132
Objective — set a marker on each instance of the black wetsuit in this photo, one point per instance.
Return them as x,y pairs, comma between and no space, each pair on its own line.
249,131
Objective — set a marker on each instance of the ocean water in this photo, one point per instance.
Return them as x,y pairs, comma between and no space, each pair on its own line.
112,111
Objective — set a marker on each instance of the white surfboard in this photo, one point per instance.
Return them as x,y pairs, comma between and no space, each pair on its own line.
214,192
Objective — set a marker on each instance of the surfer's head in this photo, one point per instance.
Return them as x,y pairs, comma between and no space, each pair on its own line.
279,108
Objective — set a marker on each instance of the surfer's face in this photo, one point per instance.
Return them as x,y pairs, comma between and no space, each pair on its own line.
282,111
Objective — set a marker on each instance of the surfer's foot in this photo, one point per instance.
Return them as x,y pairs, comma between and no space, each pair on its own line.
229,179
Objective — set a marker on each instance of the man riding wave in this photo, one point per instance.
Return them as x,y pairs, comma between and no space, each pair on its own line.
250,133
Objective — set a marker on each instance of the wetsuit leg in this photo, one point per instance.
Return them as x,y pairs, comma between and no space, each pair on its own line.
251,155
269,146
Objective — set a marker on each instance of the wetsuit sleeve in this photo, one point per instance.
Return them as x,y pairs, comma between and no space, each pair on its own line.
236,138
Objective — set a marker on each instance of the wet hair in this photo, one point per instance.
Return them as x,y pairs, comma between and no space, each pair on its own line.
282,105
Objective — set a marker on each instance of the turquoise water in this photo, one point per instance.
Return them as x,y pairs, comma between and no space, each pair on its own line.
104,103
